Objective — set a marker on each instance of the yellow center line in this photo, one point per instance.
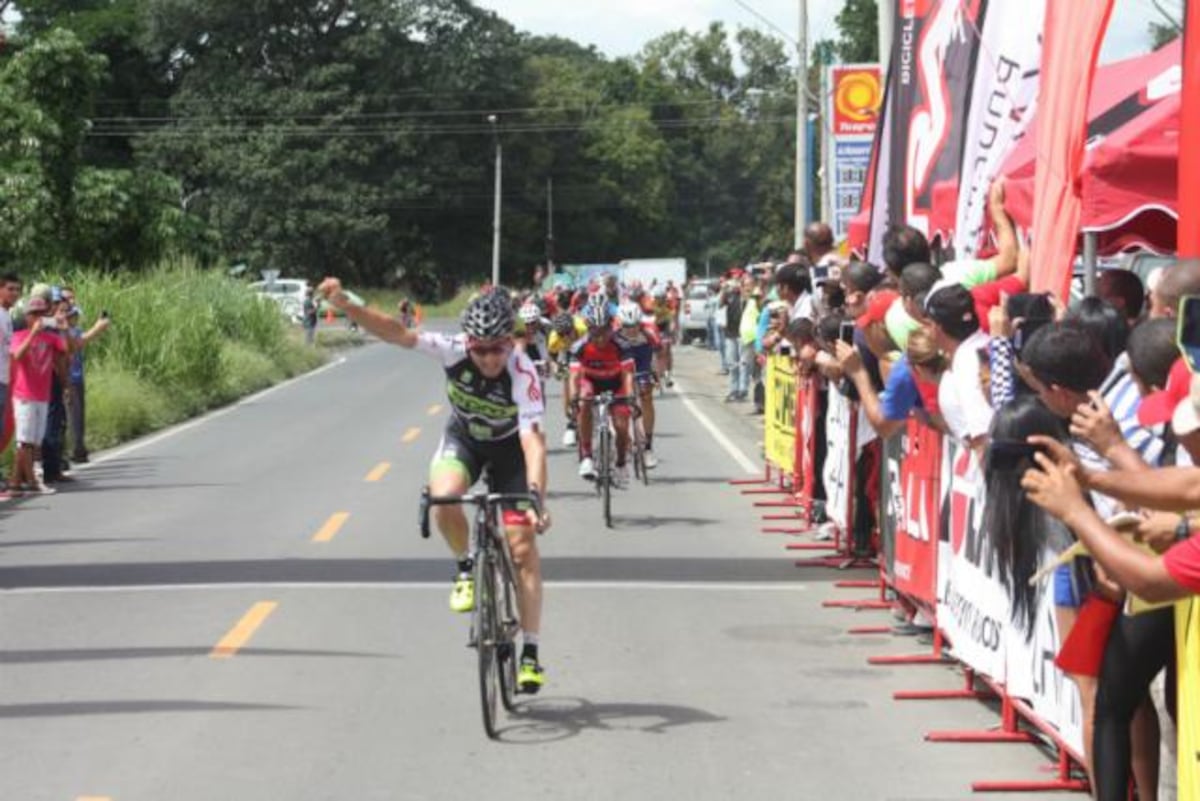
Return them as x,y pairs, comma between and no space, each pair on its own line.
379,471
241,633
410,435
334,524
435,409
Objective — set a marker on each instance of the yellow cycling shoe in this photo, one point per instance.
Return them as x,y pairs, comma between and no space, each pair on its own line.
530,677
462,596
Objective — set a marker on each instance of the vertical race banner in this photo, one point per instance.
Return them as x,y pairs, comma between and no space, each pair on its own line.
779,413
839,461
1033,676
854,97
1074,33
917,481
973,606
929,82
1002,104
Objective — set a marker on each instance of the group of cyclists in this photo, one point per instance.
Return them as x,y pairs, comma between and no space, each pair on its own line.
603,338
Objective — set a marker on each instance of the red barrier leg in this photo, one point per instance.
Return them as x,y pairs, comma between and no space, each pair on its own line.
1009,731
856,584
790,503
935,658
968,692
861,604
870,630
829,562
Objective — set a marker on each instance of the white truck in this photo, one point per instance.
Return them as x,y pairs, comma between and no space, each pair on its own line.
655,272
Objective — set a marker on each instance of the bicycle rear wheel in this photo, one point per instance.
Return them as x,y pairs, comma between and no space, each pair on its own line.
486,630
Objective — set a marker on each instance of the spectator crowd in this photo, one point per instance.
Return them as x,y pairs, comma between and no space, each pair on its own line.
42,351
1083,418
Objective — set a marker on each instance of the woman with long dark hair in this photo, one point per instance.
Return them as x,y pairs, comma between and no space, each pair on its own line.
1021,533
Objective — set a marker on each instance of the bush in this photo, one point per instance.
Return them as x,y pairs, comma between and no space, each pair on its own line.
121,406
183,340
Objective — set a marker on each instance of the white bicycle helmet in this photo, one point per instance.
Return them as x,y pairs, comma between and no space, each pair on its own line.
629,314
530,313
597,315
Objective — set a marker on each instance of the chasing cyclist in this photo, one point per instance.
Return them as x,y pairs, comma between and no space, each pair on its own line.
565,330
639,340
599,365
496,425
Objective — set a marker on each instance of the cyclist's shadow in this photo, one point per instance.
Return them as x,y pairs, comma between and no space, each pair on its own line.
545,720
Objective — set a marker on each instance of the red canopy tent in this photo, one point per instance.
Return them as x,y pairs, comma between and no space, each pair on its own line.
1129,184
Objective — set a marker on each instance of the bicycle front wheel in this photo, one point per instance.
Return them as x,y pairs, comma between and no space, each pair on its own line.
487,628
506,651
605,474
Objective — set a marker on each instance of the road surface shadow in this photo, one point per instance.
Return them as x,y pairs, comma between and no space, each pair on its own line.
383,571
547,720
658,521
80,541
52,655
656,477
77,708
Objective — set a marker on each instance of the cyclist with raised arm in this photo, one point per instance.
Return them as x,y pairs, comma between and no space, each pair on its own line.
496,425
599,365
639,340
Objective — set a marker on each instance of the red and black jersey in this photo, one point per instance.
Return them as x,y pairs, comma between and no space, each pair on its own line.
598,362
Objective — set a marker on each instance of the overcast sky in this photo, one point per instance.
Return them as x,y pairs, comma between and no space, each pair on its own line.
621,27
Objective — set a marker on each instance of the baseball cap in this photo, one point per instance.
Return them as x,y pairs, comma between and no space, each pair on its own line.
1186,419
877,308
949,304
1159,407
40,291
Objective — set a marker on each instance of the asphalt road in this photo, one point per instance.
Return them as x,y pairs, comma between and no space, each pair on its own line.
687,658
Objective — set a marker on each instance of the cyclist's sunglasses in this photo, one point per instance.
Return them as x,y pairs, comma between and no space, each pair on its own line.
489,348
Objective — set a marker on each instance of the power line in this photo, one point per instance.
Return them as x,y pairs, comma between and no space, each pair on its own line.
314,131
401,115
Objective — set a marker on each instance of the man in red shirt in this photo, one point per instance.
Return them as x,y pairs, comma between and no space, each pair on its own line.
36,355
598,364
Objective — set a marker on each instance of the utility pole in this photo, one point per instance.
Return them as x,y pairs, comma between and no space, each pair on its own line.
496,208
550,225
886,21
802,127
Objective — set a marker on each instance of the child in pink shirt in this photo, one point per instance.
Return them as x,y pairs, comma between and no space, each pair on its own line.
36,355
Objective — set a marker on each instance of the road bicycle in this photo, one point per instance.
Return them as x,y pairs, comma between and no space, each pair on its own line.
605,451
495,621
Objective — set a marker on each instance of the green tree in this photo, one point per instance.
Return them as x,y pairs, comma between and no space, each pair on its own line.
858,31
56,75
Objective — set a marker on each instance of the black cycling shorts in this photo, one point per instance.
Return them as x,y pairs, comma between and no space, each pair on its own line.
503,460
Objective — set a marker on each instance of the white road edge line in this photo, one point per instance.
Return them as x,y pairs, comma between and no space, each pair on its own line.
204,418
733,450
691,586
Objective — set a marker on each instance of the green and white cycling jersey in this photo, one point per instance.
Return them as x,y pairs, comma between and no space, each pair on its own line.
490,409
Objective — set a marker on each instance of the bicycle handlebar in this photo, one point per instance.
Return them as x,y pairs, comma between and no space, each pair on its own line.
472,499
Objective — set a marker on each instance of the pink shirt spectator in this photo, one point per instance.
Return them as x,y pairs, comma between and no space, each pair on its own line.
33,375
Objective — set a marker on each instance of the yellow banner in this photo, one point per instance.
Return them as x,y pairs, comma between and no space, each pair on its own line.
779,435
1187,646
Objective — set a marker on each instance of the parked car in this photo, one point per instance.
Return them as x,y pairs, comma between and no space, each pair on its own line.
288,293
699,305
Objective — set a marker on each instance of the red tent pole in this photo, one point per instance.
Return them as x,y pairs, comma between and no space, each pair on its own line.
1189,136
